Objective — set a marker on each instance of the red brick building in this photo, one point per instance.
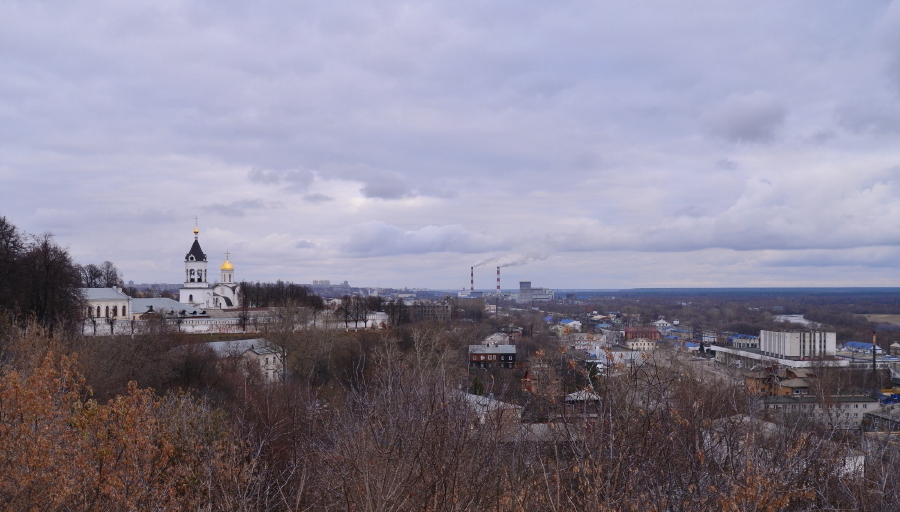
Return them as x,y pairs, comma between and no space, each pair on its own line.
650,333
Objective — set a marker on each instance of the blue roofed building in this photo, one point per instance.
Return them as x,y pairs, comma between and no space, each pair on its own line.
861,347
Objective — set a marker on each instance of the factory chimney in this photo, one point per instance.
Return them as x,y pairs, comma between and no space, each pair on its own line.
471,279
875,384
498,280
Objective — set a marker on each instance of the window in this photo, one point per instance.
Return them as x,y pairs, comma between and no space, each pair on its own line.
107,311
115,310
123,310
98,311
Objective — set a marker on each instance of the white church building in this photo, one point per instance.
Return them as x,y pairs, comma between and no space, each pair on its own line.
197,291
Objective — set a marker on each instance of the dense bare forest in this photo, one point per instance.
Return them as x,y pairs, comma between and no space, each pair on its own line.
380,421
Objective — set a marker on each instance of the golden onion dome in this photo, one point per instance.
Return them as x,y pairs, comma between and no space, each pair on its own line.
196,230
227,265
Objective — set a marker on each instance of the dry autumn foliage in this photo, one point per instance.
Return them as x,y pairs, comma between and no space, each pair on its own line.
61,450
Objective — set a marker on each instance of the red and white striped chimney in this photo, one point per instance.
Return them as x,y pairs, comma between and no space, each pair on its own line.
472,279
498,280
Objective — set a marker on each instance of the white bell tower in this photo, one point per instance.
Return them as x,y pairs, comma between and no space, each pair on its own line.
195,290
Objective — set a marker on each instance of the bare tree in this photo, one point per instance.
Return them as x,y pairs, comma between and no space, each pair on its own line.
110,275
359,311
91,276
52,293
12,245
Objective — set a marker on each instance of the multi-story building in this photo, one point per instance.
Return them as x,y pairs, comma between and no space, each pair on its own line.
885,419
423,310
641,344
797,344
743,341
648,333
490,356
839,412
527,294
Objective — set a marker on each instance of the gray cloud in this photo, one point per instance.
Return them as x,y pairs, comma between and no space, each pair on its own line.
317,198
752,117
239,208
264,176
295,180
386,189
780,213
726,164
888,32
868,118
683,143
380,239
878,257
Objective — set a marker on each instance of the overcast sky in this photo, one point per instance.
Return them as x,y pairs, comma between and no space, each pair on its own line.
596,144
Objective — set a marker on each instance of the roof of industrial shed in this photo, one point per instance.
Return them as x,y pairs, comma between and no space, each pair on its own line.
858,344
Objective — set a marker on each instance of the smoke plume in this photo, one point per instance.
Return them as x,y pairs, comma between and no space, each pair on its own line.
510,260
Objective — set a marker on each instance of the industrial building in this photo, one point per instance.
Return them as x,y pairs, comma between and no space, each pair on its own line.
798,344
527,294
795,349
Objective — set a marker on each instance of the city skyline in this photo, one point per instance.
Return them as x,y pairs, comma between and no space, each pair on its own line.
589,145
